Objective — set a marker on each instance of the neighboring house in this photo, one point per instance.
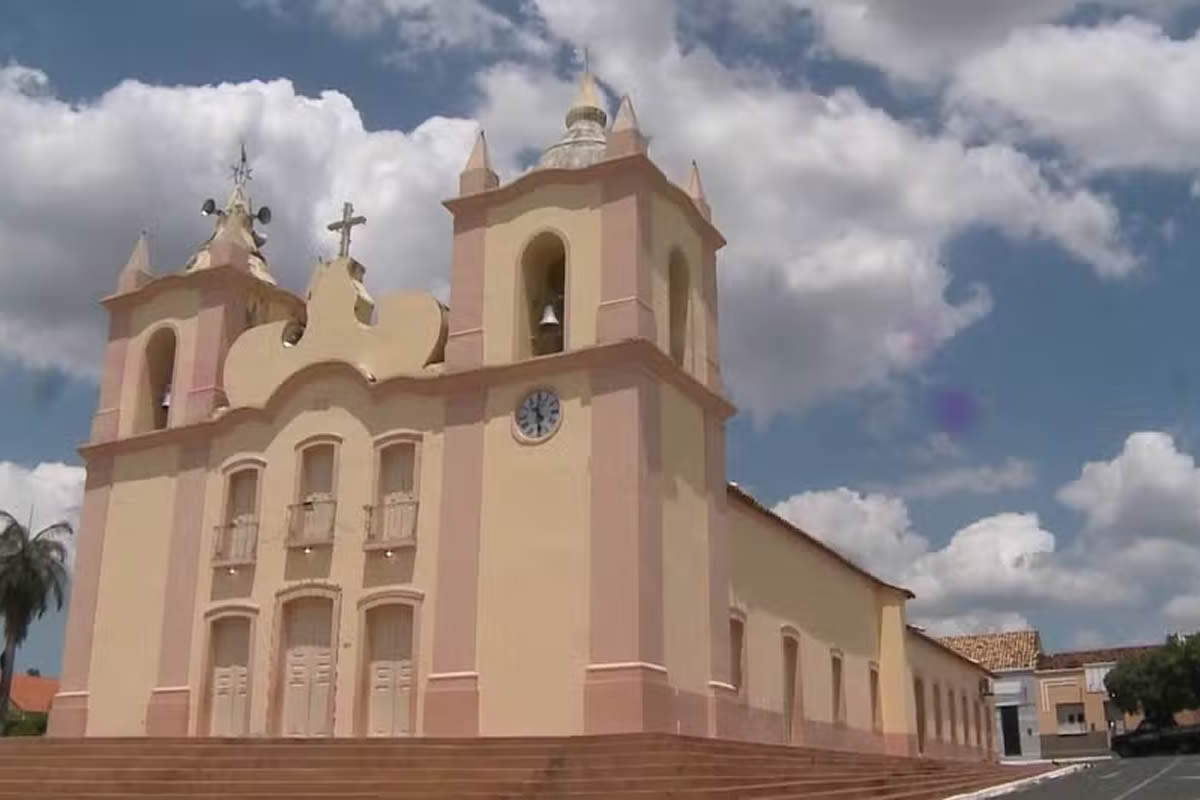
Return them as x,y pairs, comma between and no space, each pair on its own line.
31,694
1076,716
1013,657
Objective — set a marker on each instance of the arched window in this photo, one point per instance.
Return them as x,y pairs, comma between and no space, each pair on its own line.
677,281
542,321
158,372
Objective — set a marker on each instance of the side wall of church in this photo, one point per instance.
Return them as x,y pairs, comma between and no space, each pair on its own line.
784,584
338,410
940,671
534,568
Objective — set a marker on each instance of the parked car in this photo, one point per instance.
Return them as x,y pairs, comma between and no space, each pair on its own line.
1149,738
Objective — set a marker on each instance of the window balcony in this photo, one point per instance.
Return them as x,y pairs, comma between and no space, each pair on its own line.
310,524
235,543
391,524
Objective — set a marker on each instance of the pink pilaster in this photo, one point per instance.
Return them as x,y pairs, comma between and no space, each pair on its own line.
626,303
725,708
464,344
167,713
68,714
452,689
107,420
214,332
626,686
712,335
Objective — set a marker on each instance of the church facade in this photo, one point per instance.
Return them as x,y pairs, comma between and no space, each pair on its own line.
331,516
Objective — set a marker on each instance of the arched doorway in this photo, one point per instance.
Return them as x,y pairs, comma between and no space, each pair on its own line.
306,656
390,676
229,677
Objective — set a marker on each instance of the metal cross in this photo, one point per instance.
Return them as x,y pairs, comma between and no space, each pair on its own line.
241,171
344,225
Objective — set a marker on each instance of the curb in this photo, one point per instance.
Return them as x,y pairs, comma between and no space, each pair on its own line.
1023,783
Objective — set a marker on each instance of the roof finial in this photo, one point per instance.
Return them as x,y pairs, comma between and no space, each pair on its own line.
241,170
478,175
695,190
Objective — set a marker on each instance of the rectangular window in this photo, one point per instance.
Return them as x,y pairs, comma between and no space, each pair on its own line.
737,634
966,740
1070,717
838,700
393,518
978,725
876,720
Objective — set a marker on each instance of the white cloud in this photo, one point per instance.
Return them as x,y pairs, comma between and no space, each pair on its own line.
1150,490
870,529
1014,473
52,491
1184,609
924,40
979,621
93,175
837,213
1115,96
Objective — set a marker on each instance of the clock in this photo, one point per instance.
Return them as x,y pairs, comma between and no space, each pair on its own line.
538,416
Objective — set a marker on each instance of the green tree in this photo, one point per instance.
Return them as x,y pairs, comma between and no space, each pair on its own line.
33,572
1158,682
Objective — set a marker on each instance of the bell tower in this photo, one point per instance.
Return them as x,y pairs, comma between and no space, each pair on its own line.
167,341
583,292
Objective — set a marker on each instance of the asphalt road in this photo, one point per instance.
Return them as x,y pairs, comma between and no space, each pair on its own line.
1151,778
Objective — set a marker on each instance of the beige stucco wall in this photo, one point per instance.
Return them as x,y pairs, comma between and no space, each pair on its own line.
935,666
534,579
344,407
573,212
780,579
685,543
124,663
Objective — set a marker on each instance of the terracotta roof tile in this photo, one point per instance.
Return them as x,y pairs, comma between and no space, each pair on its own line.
32,693
1003,650
1078,658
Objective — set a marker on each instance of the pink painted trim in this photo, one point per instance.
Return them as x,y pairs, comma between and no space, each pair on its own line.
644,354
464,344
626,613
639,163
70,718
626,288
106,423
454,705
712,336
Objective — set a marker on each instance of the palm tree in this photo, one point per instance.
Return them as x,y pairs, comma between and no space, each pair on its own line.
33,569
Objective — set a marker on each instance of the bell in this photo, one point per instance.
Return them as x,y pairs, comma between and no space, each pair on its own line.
166,398
549,317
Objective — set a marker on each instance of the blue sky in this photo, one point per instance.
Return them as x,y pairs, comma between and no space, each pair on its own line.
957,303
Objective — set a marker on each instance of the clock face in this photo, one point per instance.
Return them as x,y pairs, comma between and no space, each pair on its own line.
538,415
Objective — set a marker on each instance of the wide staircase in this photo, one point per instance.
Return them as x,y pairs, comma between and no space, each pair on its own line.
641,766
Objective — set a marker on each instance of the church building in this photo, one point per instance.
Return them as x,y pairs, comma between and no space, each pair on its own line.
326,515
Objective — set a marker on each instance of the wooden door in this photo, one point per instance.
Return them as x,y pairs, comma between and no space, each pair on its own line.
230,677
390,671
307,668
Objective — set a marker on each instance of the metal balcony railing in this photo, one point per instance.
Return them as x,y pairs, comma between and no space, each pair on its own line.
392,523
235,543
311,523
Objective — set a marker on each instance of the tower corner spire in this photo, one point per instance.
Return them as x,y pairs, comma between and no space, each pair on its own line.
695,190
478,175
136,273
626,137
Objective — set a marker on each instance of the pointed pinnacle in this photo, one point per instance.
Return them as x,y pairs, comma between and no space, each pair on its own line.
586,95
479,158
625,120
139,259
695,188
